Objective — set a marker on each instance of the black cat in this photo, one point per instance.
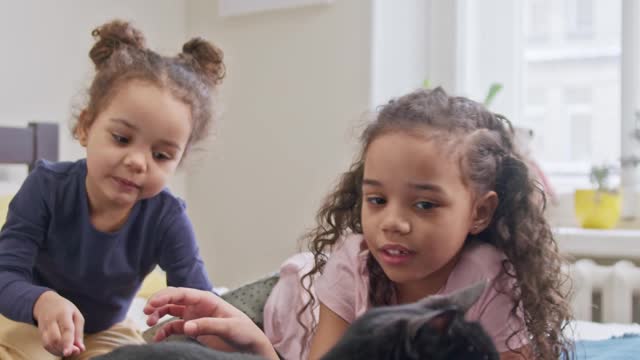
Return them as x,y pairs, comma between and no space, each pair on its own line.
433,328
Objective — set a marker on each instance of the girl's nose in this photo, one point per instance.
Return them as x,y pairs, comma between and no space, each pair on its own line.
136,162
394,221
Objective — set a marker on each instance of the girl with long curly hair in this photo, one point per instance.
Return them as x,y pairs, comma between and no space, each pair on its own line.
439,199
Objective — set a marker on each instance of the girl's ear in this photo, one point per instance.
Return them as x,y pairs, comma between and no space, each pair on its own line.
81,132
485,207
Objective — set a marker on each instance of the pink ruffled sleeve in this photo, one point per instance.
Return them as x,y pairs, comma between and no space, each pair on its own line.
283,304
335,287
341,287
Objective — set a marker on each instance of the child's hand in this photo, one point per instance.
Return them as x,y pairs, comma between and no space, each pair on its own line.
60,323
209,318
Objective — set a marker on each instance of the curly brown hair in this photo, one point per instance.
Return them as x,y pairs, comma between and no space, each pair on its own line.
120,55
489,162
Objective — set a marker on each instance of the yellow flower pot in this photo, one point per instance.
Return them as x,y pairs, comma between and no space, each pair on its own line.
597,209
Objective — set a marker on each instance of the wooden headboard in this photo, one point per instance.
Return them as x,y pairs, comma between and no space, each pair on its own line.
26,145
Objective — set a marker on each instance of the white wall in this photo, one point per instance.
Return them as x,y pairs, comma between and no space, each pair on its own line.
400,48
298,84
45,65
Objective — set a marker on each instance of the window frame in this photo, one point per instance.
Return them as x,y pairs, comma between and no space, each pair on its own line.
471,78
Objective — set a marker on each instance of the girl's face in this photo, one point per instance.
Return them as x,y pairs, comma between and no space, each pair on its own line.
416,211
134,145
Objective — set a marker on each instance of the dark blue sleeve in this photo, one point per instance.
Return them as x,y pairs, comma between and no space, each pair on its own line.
180,257
20,239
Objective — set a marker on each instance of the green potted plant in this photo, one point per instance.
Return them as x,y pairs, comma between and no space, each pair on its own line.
494,89
599,207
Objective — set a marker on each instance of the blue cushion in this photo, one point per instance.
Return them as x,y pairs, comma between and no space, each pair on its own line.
618,348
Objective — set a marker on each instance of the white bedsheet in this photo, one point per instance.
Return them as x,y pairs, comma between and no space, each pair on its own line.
135,313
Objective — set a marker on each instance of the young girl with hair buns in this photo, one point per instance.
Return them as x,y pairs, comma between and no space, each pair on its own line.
81,236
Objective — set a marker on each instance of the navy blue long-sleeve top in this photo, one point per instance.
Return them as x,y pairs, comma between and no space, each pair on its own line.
49,243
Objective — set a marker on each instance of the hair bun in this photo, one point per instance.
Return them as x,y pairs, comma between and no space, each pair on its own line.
207,59
110,37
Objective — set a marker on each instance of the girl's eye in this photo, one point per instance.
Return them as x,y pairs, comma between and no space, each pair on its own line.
376,200
161,156
120,139
425,205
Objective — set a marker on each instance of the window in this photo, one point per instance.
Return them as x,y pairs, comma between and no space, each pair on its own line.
538,22
560,64
580,139
579,69
579,18
579,107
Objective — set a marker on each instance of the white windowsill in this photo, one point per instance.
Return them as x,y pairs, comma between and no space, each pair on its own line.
614,243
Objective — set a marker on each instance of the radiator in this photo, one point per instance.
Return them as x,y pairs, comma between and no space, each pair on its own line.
616,286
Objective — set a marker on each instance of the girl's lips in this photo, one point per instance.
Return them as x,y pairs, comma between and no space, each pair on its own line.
396,254
126,184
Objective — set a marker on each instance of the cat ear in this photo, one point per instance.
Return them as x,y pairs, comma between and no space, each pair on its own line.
438,320
441,322
465,298
462,299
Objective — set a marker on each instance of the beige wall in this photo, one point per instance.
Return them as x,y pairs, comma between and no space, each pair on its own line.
298,83
45,45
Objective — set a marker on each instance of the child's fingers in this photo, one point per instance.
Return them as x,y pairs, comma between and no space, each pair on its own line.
76,350
154,303
173,310
159,299
185,297
78,338
171,328
51,338
220,327
67,332
238,333
148,309
152,319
